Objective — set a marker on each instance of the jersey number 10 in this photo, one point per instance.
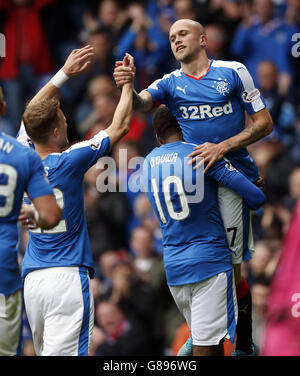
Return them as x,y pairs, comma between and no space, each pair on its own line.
185,210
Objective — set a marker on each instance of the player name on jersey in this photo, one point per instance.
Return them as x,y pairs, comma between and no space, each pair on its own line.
6,145
165,158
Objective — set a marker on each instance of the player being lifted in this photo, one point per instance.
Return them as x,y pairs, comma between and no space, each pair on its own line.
21,171
209,98
196,254
58,264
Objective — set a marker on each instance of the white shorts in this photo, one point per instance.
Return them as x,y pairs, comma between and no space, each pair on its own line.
60,310
10,323
209,308
237,222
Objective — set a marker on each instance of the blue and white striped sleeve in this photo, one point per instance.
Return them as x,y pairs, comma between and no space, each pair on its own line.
161,88
249,96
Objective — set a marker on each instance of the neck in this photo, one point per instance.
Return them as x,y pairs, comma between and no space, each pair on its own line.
44,150
197,67
173,138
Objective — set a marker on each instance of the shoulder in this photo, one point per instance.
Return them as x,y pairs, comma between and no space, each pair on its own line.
235,66
166,78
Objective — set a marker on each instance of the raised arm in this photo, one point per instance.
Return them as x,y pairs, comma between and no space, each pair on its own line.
125,74
122,116
76,63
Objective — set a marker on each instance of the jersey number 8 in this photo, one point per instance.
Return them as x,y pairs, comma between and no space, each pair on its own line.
8,190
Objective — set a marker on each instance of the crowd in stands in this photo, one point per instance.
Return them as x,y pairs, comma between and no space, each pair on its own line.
134,311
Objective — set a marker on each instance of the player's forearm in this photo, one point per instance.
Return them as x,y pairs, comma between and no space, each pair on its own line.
254,132
140,103
47,92
123,111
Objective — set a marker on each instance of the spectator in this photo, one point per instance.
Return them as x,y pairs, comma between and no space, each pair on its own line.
290,200
185,9
23,70
260,292
145,217
110,15
107,260
148,264
116,334
146,43
136,299
258,265
282,111
259,35
106,214
216,42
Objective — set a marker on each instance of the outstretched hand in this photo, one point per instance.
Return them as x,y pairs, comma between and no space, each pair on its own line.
78,61
207,153
124,71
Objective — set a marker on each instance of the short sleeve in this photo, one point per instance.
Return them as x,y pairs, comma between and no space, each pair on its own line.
37,184
248,95
159,89
85,154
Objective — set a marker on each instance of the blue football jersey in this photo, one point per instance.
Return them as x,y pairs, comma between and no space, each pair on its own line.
212,108
67,244
21,170
186,205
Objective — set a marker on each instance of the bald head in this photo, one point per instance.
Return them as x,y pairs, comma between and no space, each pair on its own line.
196,26
187,39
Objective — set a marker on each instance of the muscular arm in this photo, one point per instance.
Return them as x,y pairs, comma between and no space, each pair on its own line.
261,126
142,101
125,74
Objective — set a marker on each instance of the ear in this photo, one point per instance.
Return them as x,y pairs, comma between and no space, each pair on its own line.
56,132
203,40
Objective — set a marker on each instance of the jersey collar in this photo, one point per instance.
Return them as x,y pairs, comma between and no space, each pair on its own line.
199,78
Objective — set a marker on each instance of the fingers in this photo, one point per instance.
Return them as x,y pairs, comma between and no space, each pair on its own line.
200,164
197,151
87,56
209,166
85,66
130,59
83,49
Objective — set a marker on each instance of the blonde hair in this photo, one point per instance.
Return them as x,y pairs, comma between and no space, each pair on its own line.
40,119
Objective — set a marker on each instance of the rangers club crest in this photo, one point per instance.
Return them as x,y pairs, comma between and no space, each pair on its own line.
222,86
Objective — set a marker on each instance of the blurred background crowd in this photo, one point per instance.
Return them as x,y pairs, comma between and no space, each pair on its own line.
134,311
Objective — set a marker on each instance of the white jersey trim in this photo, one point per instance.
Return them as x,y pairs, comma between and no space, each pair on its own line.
175,73
252,95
